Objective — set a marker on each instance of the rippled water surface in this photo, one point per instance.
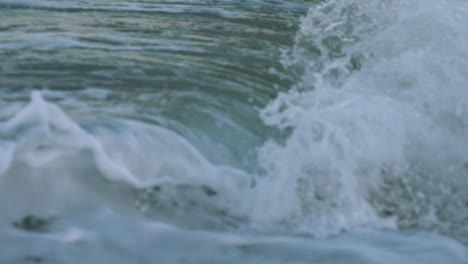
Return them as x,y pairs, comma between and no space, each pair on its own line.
249,131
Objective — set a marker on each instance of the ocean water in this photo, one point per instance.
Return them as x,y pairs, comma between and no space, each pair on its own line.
253,131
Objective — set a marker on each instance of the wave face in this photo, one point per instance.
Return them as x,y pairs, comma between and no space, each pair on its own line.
266,131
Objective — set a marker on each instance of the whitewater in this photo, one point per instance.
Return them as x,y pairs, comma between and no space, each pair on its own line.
254,131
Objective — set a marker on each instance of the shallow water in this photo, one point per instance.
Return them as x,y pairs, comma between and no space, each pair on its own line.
233,131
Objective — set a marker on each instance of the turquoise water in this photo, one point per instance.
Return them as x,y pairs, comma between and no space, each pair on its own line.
233,131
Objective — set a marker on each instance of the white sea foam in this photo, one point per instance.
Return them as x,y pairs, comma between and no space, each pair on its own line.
377,137
105,163
378,120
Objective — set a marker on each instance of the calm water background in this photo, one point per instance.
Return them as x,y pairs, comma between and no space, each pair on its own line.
233,131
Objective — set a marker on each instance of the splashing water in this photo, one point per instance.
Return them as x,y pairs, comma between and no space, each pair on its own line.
378,119
354,129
